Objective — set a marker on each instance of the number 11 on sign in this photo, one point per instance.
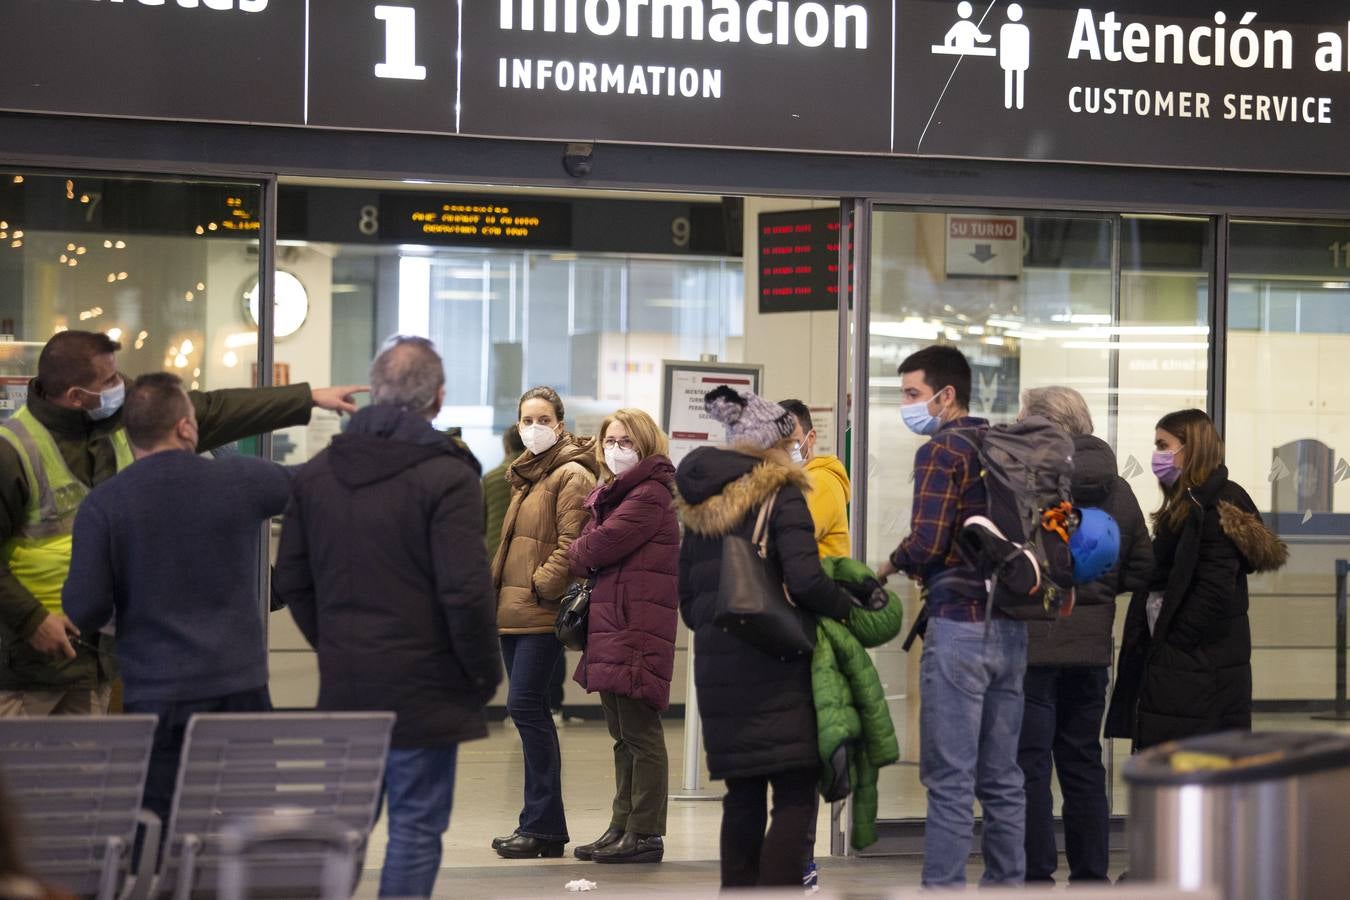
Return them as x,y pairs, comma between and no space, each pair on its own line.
400,44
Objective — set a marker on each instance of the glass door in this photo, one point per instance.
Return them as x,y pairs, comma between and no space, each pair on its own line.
1116,307
1287,430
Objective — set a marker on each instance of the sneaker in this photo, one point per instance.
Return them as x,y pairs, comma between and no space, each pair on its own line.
811,879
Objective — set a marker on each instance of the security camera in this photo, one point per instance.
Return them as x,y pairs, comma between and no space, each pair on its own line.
577,159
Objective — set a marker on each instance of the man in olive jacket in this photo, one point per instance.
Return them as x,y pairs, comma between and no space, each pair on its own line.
67,440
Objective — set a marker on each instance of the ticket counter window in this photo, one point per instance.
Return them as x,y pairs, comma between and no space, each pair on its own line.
160,265
594,326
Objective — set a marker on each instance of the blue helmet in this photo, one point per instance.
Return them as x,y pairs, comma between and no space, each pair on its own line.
1095,546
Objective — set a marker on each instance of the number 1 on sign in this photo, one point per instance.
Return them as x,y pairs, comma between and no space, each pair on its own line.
400,44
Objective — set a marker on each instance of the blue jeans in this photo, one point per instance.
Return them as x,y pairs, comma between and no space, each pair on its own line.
971,715
1063,722
530,660
419,789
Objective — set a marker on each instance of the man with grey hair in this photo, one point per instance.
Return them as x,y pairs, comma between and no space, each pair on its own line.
1068,663
384,567
408,374
1062,405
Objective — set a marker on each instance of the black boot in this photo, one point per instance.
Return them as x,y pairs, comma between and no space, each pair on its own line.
497,842
633,848
586,851
520,846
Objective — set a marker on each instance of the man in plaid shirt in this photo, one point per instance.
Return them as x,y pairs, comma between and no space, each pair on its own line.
971,672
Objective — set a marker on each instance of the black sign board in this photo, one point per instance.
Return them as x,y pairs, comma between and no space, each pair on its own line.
806,76
798,258
165,61
1262,87
474,219
359,216
131,206
1142,82
391,66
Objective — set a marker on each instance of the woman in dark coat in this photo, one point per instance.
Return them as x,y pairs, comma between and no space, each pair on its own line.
759,721
1186,660
632,548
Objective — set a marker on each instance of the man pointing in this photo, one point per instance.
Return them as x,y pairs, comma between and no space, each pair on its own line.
66,440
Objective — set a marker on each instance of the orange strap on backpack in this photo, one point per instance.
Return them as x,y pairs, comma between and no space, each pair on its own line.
1056,519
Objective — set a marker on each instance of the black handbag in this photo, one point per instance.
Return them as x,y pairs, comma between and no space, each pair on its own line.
574,613
752,602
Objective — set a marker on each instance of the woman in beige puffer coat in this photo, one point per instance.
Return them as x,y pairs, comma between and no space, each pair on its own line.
550,483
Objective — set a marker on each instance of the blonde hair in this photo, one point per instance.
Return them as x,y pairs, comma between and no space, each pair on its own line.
647,437
1204,454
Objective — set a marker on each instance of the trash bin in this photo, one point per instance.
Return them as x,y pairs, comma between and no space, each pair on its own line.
1261,816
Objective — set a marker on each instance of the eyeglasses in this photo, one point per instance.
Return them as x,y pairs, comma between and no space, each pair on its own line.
619,443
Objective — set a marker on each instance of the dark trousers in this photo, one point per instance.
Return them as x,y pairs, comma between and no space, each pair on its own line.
558,684
751,858
171,731
530,660
1062,724
641,767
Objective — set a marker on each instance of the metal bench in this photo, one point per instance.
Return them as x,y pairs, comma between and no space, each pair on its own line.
76,782
273,793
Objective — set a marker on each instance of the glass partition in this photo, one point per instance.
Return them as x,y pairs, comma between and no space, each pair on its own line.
1115,307
161,265
594,326
1288,434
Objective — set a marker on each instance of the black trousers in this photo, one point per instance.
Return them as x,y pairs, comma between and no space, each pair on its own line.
172,731
1062,724
753,858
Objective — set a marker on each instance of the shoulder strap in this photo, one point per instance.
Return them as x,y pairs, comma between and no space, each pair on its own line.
761,535
975,443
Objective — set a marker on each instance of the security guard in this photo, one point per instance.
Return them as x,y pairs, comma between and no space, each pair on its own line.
67,439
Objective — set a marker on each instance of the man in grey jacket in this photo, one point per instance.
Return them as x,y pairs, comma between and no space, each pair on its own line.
1069,661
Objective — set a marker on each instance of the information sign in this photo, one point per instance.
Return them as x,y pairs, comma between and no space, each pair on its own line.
685,384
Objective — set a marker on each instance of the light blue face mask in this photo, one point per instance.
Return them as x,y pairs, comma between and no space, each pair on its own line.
110,401
918,419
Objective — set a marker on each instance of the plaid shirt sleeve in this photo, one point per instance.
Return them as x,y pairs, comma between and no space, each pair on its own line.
937,496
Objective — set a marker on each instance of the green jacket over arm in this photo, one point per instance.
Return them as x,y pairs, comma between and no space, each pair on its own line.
86,447
856,735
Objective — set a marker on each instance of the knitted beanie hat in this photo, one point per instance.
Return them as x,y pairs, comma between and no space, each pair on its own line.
751,420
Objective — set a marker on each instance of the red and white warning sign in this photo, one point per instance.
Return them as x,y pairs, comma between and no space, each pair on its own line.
984,246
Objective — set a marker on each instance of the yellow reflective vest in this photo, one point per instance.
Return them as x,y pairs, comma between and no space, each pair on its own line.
38,555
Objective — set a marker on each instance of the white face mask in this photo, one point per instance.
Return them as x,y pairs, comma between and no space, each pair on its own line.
538,438
110,401
796,454
620,460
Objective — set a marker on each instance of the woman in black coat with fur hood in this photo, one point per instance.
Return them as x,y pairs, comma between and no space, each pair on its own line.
1186,659
759,720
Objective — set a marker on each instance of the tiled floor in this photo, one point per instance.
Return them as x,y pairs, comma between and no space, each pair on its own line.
488,791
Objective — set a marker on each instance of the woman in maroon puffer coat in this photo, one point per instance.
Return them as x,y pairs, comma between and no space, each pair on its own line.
631,547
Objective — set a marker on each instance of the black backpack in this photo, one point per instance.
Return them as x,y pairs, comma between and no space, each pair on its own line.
1021,546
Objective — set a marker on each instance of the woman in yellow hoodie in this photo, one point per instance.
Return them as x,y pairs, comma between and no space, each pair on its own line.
830,488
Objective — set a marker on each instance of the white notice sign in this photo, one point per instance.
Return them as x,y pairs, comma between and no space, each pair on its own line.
687,422
984,246
822,417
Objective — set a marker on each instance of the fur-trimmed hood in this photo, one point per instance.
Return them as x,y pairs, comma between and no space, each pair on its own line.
718,489
1262,549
